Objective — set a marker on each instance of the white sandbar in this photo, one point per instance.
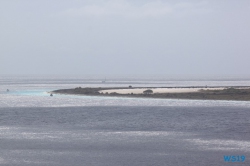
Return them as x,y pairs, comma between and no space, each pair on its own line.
156,90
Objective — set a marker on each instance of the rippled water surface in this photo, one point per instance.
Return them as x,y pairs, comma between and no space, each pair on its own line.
36,129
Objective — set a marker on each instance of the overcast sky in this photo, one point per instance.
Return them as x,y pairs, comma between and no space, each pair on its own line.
176,37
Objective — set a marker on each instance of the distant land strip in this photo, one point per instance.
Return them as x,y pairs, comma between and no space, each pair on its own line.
238,93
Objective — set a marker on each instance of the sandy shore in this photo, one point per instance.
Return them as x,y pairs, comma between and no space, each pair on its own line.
204,93
157,90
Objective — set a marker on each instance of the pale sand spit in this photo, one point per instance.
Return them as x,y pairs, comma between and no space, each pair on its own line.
156,90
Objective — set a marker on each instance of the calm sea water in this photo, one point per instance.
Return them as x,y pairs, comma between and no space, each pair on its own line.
36,129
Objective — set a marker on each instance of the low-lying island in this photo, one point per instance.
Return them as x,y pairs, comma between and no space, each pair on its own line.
239,93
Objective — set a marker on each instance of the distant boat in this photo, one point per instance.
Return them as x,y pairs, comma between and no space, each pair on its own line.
51,94
103,81
7,90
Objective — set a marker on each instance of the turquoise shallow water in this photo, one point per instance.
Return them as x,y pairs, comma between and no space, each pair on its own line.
30,93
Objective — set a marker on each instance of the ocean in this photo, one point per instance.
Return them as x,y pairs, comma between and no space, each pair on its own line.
63,130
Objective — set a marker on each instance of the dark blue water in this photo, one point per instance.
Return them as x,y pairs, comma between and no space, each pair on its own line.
113,136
